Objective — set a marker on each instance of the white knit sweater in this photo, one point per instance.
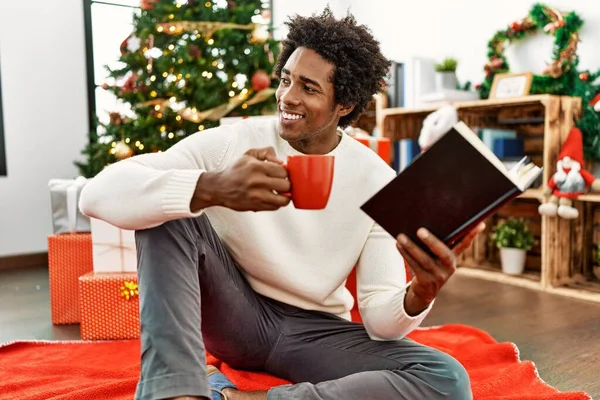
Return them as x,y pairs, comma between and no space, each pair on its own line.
300,257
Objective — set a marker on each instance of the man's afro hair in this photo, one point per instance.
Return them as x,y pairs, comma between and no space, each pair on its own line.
360,67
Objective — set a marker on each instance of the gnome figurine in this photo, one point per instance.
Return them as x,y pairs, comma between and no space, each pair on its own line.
569,181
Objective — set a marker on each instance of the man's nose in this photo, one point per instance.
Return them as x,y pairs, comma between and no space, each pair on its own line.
290,95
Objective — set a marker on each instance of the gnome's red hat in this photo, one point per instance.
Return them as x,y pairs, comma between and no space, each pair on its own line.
573,147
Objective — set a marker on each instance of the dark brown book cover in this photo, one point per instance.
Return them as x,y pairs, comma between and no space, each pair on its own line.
448,189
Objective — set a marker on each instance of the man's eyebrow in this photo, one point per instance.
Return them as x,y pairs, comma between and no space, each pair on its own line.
303,78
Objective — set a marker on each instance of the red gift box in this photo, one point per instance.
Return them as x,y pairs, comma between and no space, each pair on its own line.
69,257
380,145
109,306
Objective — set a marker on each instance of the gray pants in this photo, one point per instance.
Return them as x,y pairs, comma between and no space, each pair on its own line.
193,298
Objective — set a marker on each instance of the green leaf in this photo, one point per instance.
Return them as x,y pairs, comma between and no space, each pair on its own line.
513,232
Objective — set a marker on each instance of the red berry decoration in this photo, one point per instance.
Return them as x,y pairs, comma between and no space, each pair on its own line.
147,4
260,81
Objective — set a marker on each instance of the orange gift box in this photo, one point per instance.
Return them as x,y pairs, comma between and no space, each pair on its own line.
69,257
380,145
109,306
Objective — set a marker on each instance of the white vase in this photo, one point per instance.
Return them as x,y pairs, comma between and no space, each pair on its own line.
512,260
445,81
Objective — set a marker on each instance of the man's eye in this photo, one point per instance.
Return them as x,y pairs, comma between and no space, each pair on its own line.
309,89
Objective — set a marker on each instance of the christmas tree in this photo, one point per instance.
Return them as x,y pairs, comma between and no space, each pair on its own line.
186,65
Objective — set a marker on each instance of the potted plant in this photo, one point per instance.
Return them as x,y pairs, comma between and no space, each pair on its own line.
445,74
513,237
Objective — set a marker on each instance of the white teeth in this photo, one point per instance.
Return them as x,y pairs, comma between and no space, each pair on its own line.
291,116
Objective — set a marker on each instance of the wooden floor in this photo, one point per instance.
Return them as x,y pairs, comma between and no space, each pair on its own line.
560,335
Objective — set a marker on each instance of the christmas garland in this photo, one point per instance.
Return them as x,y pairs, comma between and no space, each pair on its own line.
561,76
555,78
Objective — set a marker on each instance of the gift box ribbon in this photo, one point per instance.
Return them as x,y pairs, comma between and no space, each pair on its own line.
72,188
72,206
114,246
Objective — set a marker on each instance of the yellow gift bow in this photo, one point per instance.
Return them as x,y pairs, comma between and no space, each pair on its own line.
129,290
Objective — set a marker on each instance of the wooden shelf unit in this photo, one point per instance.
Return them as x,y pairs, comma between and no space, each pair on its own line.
562,261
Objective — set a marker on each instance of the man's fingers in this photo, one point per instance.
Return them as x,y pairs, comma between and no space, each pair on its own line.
273,169
415,267
420,257
437,247
275,199
268,154
461,247
467,240
408,260
277,184
265,154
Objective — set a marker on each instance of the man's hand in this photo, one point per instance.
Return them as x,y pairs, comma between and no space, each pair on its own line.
429,274
253,183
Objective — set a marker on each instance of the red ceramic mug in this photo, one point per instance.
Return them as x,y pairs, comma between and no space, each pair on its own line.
311,178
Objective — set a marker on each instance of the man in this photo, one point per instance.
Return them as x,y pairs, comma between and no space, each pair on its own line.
228,266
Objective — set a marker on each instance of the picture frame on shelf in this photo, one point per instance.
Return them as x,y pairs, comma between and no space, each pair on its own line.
511,85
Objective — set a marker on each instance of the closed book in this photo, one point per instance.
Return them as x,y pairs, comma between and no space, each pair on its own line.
508,148
449,189
488,135
405,151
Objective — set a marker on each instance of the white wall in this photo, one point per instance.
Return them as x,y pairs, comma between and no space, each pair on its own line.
458,28
42,56
462,28
282,9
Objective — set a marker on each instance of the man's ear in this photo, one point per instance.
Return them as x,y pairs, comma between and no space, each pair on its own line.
345,110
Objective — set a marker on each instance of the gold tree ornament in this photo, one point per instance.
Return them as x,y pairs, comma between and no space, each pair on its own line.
206,28
122,150
260,34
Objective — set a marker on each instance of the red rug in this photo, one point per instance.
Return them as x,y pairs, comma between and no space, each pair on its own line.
109,370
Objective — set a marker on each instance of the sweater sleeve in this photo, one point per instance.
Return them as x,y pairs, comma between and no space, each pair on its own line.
381,286
149,189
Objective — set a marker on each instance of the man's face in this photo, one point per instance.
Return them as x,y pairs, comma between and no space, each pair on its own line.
305,98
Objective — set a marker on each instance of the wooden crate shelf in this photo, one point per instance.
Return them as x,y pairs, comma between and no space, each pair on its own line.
583,234
592,198
562,261
492,272
535,194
